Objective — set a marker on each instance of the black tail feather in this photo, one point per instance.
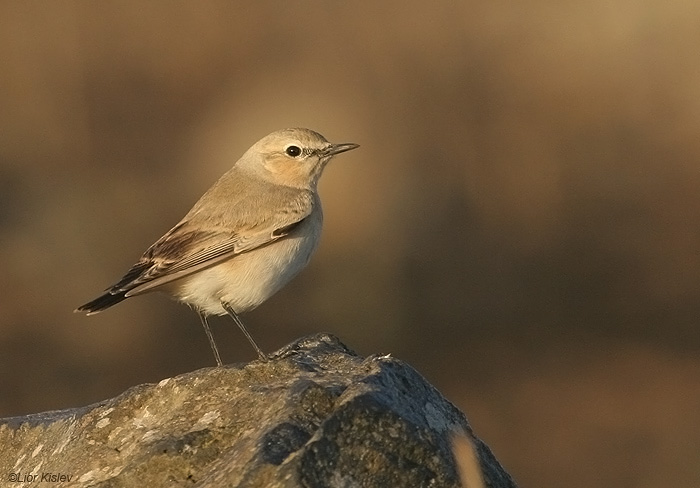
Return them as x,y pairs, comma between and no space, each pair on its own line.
116,293
102,302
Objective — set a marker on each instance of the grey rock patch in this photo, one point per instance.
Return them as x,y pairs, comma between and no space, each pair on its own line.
317,415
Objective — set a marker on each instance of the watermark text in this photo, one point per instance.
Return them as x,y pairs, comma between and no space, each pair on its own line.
45,477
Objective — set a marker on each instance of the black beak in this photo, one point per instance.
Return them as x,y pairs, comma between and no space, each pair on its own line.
334,149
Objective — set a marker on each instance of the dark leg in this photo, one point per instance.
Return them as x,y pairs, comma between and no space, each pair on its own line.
207,330
240,325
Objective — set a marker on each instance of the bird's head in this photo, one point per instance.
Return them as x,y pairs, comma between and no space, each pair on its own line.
293,157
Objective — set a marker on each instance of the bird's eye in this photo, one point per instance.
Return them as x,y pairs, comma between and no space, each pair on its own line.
293,151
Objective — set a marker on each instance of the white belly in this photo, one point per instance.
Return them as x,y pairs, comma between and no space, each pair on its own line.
247,280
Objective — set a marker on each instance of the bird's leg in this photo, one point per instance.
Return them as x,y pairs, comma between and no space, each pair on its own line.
240,325
207,330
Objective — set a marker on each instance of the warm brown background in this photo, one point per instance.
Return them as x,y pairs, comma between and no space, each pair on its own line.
522,222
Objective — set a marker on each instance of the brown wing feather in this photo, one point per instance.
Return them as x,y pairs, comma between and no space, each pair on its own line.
191,246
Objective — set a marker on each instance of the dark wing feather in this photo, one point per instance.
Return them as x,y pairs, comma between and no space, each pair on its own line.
177,262
172,257
194,244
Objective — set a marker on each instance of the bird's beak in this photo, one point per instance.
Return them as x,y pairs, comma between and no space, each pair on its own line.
334,149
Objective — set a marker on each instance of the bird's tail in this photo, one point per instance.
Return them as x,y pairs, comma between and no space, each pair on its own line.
117,292
102,302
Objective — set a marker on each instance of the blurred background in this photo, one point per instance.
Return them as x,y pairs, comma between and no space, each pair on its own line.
521,223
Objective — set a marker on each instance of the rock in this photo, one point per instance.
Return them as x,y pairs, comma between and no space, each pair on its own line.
316,415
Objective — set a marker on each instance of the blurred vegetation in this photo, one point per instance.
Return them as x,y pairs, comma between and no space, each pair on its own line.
520,223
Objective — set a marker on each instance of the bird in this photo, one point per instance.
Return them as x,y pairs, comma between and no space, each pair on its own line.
244,239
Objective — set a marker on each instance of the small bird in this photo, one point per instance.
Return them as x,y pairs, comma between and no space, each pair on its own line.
245,238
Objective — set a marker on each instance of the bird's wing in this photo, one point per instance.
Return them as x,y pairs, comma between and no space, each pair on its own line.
188,248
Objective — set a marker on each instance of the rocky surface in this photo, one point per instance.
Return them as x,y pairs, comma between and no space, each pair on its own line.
317,415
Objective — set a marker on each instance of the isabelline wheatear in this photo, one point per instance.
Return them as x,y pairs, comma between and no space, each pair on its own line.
248,235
